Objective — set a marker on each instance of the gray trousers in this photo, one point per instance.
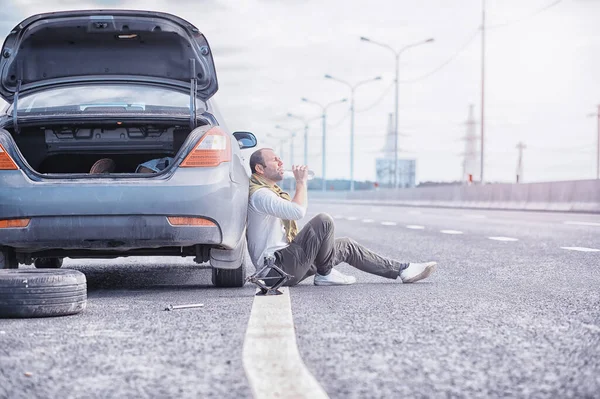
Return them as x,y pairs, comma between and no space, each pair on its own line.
315,249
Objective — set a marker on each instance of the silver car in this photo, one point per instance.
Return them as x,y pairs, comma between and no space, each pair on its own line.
111,145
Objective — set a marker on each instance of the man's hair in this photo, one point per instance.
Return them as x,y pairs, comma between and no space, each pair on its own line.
257,159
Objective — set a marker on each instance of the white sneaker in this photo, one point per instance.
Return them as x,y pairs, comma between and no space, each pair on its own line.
417,271
334,278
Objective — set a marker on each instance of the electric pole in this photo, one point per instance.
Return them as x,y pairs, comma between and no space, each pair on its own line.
597,115
482,87
520,147
471,155
598,146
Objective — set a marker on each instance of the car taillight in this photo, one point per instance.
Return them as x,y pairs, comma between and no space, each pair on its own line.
6,162
212,149
13,223
189,221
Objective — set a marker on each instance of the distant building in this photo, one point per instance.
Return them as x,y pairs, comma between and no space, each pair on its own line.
406,170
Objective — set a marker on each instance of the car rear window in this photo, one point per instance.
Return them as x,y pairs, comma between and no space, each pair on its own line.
100,99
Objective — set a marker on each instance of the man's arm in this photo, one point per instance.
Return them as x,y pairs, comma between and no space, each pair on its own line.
301,195
267,202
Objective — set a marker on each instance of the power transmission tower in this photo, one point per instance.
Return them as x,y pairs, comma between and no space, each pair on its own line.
471,155
520,147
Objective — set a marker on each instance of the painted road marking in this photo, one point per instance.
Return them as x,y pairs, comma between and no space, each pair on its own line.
582,223
338,217
271,358
474,216
415,227
368,220
451,232
351,218
503,239
581,249
388,223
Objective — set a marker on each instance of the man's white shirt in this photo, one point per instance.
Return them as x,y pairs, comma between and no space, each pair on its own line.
265,228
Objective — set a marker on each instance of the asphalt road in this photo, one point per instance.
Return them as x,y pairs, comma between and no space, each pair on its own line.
517,315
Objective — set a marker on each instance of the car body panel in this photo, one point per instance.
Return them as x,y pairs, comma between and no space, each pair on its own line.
61,47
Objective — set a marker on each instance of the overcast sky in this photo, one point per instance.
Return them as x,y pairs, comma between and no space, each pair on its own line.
541,82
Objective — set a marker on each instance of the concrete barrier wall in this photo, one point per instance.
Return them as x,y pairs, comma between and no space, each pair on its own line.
567,196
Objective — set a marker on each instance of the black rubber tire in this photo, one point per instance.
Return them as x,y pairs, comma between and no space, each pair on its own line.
8,259
48,263
229,278
41,293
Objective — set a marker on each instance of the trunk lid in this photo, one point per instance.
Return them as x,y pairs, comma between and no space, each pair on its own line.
92,45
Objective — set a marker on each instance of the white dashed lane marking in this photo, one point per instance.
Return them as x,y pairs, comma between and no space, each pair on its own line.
368,220
271,358
415,227
388,223
467,215
351,218
503,239
581,249
451,232
582,223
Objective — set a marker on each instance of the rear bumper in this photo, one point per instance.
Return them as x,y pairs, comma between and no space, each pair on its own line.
123,214
119,233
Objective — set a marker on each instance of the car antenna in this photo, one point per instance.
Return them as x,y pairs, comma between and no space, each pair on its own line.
16,98
193,89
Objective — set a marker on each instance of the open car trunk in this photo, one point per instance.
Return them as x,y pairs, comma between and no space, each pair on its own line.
68,149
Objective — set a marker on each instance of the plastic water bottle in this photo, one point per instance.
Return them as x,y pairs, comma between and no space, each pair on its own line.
288,174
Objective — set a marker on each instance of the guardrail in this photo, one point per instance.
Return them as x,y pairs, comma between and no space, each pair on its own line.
565,196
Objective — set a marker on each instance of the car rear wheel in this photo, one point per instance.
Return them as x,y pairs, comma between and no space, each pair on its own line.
8,259
41,293
229,278
48,263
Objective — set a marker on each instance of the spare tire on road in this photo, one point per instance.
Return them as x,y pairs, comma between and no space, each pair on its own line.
41,293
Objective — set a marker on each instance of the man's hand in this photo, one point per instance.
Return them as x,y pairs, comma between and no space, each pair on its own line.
301,176
300,173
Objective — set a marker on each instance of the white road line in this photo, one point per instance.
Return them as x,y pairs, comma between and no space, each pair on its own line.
415,227
338,217
451,232
582,223
271,358
351,218
581,249
503,239
388,223
368,220
469,216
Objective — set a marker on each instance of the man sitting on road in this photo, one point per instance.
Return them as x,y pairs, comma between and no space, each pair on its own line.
314,250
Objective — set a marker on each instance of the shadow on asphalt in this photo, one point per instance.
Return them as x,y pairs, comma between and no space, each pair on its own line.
153,277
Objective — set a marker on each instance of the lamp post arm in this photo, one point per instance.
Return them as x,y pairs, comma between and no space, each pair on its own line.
339,80
365,82
380,44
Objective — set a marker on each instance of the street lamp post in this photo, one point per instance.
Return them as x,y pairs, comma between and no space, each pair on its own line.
305,122
292,135
597,115
280,141
397,55
324,116
352,90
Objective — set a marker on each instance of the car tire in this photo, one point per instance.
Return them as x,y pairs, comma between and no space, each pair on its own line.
229,278
48,263
41,293
8,259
